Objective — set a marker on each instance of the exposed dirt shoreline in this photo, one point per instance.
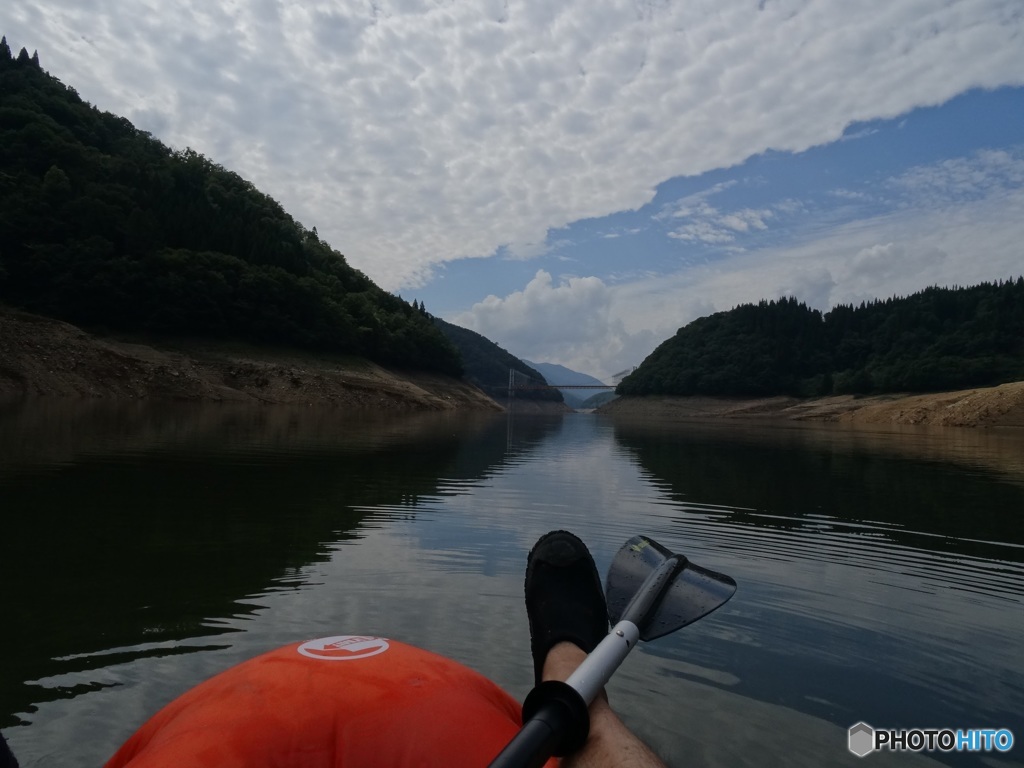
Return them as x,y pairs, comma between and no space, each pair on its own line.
1001,406
43,356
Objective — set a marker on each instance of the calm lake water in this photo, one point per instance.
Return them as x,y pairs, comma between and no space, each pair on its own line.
147,547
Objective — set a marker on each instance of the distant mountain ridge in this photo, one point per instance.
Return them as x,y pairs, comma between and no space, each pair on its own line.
487,365
558,374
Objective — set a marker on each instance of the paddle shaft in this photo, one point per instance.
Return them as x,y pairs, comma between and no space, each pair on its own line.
535,742
539,737
541,734
552,715
597,669
646,599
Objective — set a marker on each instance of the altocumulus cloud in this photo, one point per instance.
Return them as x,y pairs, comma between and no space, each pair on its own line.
944,222
935,239
414,133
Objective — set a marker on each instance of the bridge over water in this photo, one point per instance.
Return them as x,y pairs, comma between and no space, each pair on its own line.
519,381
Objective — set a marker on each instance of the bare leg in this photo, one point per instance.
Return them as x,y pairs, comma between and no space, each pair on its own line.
611,744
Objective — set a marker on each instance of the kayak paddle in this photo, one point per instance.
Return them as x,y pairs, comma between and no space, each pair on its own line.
650,592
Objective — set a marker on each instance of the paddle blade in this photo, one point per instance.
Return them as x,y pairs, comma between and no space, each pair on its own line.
691,593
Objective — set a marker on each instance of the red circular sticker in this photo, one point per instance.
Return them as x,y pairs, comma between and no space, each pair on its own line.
343,647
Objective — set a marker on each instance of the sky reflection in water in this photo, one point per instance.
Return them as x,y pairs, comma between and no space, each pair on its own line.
880,575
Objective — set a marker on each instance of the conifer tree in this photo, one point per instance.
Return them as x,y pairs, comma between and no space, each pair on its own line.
35,59
108,227
5,50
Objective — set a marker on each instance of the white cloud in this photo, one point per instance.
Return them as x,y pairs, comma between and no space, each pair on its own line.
704,231
569,322
707,224
413,133
960,242
895,254
720,228
694,204
984,174
746,219
850,194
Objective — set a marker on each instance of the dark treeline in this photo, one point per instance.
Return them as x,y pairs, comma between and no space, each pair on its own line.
938,339
487,364
104,226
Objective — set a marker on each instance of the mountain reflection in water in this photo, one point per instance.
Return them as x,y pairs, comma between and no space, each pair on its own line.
148,546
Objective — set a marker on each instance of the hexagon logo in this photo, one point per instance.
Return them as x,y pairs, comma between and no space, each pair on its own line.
862,739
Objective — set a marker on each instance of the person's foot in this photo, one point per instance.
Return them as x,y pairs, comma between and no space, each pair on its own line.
564,599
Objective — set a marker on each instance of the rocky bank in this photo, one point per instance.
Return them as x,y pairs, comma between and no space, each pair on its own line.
1001,406
42,356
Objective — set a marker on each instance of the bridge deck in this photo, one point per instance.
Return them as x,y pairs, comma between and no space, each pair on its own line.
563,386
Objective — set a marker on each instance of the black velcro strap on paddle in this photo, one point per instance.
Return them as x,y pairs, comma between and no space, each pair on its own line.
564,710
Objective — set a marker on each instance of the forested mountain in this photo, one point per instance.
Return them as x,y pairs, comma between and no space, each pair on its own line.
938,339
487,364
104,226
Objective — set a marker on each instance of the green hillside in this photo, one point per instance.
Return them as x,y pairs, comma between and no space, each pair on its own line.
104,226
487,365
938,339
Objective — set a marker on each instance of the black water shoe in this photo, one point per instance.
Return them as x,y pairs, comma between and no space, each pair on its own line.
564,599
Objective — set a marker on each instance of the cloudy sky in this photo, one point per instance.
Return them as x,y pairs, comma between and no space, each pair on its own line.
577,179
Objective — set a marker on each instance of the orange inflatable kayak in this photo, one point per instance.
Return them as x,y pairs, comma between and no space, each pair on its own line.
336,701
